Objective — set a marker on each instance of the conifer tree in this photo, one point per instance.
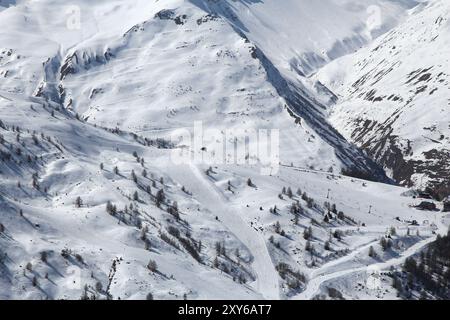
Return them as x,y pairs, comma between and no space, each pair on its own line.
372,252
289,193
78,202
152,266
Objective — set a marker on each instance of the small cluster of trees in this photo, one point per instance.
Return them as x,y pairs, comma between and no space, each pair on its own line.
337,234
309,247
3,257
296,208
331,207
138,159
221,249
273,210
173,210
278,229
309,201
152,266
189,244
276,244
111,209
226,264
164,237
386,243
209,171
287,192
160,198
294,279
67,253
18,148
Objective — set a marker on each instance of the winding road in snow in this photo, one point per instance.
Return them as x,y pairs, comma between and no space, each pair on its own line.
319,278
207,194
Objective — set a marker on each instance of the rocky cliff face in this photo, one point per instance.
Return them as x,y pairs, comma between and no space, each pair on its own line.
394,99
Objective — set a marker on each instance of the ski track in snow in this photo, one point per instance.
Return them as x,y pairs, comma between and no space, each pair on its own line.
267,277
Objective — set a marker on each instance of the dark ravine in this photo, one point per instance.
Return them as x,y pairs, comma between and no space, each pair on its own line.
300,107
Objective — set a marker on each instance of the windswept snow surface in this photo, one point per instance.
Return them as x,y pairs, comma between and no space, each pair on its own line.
92,203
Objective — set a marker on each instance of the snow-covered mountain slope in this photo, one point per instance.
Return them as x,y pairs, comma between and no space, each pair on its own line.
51,247
394,98
299,37
222,238
304,35
93,204
161,64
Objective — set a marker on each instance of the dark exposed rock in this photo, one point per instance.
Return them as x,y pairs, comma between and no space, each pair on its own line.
180,20
207,18
427,206
67,67
165,15
391,152
171,15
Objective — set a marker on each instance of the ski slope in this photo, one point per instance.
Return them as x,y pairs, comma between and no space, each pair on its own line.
266,276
